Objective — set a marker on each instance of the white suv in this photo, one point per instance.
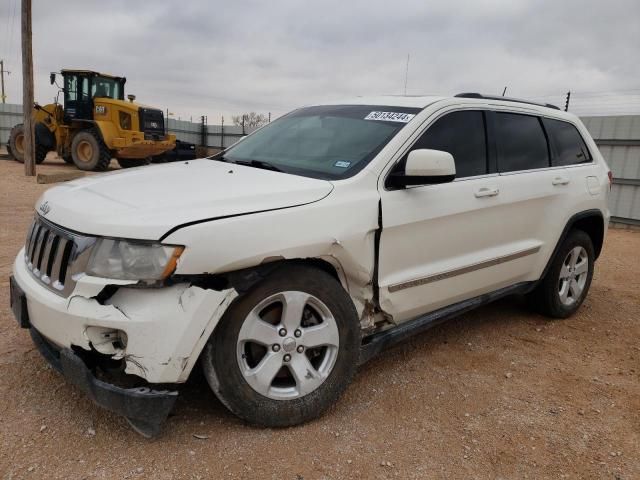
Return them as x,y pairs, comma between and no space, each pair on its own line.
300,252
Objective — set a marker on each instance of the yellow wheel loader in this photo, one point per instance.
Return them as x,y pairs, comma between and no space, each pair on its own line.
94,125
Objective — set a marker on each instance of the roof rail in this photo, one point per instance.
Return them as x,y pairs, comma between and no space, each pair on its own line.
507,99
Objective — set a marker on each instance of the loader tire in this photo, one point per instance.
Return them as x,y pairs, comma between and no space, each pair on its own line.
41,153
89,151
16,143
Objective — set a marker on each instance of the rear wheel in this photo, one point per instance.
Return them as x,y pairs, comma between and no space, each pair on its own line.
89,151
16,145
565,286
286,350
133,162
16,142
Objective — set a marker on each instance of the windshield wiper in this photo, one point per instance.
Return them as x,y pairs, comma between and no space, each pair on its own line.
260,164
219,158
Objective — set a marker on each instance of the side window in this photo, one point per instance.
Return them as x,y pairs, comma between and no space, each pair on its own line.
85,88
522,144
568,145
462,134
71,88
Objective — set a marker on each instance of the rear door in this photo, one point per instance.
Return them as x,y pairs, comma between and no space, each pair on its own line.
569,152
535,194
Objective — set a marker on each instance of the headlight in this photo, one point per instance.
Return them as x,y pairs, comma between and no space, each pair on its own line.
126,260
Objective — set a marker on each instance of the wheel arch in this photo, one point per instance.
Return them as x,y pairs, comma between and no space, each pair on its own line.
244,279
589,221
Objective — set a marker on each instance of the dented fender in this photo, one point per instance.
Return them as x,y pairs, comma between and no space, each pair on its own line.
339,229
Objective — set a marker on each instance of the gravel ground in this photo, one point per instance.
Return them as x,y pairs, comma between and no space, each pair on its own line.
497,393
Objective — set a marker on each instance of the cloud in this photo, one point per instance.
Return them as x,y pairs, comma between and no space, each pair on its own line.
220,58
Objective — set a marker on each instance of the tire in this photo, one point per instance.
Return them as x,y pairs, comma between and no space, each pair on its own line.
16,146
227,358
89,152
133,162
566,284
41,153
16,142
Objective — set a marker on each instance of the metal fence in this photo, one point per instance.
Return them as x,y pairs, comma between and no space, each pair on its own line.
618,138
10,115
214,136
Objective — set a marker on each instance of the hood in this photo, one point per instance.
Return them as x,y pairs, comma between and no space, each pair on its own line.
146,202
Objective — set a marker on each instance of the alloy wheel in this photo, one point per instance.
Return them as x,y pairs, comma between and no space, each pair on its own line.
288,345
573,276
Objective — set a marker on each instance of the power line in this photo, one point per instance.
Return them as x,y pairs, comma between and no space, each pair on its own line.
604,93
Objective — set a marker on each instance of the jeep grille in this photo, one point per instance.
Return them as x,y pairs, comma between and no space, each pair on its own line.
55,256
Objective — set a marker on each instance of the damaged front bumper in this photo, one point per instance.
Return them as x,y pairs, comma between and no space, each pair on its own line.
145,409
155,334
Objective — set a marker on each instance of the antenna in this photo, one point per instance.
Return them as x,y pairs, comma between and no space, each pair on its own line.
406,75
504,91
566,104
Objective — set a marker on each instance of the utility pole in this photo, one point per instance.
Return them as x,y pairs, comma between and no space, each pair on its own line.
27,91
222,132
406,75
203,132
2,72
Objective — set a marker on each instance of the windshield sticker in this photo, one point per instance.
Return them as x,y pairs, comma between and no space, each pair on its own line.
390,116
342,164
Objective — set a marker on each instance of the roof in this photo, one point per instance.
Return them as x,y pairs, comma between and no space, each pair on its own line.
422,101
73,70
415,101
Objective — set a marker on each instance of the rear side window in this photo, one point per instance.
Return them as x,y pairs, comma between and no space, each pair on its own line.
522,144
462,134
567,143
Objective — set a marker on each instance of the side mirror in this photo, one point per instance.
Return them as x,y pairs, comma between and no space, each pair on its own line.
52,78
425,167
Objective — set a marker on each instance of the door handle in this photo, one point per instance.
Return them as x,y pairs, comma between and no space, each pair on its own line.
560,181
487,192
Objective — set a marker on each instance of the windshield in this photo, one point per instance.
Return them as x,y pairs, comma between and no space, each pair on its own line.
329,142
107,88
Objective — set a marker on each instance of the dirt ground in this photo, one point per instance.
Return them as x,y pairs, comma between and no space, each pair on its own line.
497,393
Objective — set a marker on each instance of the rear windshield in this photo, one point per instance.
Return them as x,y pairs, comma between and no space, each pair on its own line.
329,142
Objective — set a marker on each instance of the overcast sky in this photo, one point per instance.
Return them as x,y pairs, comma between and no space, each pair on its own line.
203,57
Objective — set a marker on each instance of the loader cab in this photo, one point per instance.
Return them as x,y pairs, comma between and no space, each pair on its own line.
81,87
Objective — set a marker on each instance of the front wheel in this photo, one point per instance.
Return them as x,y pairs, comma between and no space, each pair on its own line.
565,286
89,151
286,350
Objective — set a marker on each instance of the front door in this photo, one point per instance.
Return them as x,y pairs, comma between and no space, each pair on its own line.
77,101
441,243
